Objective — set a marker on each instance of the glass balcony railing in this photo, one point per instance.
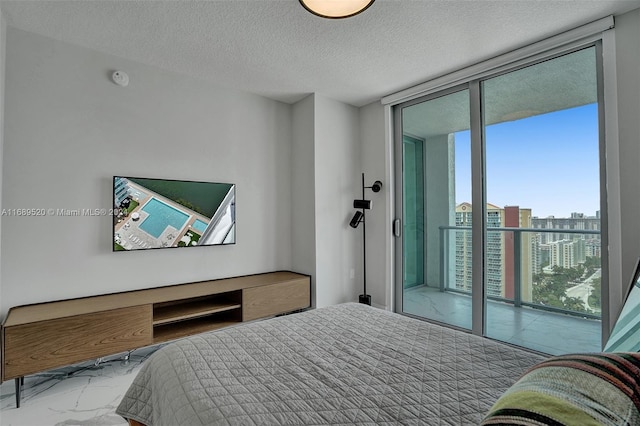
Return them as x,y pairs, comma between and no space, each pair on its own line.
550,269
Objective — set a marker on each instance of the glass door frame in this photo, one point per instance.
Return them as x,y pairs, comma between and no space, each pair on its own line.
478,195
398,276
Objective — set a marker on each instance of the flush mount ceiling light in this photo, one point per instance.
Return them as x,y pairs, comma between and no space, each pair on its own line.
336,9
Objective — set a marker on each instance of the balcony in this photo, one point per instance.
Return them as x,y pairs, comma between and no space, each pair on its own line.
515,311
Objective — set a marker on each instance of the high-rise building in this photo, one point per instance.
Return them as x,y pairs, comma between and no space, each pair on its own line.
567,253
120,190
519,253
463,264
501,265
494,260
592,247
577,221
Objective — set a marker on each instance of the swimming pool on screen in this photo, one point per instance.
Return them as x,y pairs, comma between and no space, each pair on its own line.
199,225
160,216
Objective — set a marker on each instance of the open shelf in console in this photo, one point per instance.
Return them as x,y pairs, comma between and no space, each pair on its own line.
184,317
175,330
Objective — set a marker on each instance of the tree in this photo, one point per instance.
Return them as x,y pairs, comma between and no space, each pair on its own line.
592,264
551,289
595,298
574,304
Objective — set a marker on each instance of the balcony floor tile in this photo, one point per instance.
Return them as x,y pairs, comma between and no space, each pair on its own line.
548,332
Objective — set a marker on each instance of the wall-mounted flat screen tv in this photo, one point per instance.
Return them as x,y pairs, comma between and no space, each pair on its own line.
164,213
625,336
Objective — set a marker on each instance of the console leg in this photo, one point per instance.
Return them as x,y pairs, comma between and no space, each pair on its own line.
19,382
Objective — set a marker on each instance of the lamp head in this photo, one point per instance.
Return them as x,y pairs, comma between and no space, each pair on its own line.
362,204
355,221
377,186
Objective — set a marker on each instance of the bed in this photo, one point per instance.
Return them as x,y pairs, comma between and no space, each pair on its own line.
344,364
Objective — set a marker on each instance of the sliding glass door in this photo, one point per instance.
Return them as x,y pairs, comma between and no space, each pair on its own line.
536,186
542,170
436,155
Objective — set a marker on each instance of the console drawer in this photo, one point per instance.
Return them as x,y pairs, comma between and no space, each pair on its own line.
34,347
274,299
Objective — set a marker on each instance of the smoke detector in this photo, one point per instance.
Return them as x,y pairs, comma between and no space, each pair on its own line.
120,78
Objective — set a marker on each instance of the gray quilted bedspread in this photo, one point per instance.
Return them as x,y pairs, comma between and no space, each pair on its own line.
345,364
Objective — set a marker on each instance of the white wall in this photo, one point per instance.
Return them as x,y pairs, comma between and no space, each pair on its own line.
69,129
337,183
376,164
303,222
326,179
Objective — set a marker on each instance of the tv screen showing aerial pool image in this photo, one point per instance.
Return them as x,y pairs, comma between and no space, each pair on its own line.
164,213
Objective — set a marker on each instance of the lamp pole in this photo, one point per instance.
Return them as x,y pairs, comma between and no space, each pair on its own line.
364,298
358,218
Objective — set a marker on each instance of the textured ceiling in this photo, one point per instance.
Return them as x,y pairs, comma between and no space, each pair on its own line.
277,49
565,82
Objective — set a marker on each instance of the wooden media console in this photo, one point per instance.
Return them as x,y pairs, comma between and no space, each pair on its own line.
44,336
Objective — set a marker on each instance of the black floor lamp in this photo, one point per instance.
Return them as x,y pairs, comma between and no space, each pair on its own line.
358,218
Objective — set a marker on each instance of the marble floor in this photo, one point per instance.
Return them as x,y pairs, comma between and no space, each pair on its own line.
84,394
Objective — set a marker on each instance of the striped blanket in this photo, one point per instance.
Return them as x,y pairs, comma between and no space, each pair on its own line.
578,389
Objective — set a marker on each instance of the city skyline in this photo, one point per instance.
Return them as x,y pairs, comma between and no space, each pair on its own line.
553,169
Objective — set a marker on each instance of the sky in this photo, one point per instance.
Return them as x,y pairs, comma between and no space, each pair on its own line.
548,163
